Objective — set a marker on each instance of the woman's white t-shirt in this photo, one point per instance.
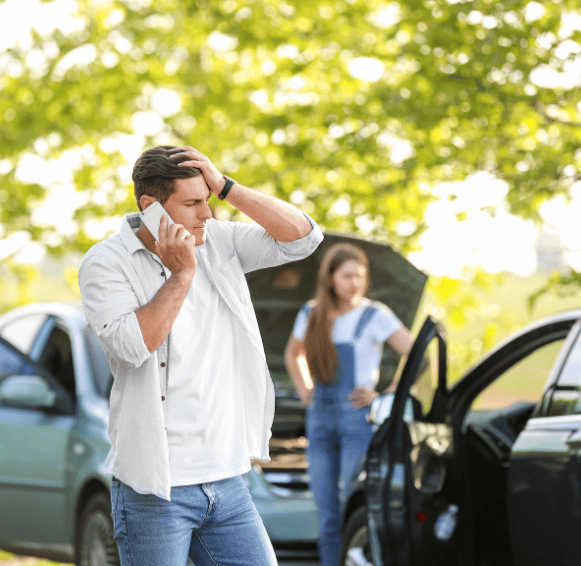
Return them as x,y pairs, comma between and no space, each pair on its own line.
368,345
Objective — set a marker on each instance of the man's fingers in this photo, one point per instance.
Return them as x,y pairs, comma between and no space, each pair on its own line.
188,151
181,149
196,157
178,232
163,222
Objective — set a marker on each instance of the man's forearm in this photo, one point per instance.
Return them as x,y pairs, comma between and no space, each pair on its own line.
156,318
280,219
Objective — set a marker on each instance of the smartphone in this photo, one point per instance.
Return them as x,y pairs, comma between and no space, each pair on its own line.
151,217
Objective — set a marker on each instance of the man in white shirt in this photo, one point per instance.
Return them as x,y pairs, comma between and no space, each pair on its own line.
192,401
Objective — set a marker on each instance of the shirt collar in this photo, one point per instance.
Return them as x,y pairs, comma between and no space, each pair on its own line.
130,223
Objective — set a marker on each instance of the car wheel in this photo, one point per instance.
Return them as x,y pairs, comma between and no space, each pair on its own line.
96,544
355,541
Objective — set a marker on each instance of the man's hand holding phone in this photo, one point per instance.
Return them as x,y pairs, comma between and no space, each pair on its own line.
176,248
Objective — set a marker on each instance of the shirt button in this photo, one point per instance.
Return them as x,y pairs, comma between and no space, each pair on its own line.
162,364
162,273
162,398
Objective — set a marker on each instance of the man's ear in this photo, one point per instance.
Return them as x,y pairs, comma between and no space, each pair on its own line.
145,201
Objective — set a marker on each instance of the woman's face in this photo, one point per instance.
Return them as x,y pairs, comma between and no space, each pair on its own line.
350,281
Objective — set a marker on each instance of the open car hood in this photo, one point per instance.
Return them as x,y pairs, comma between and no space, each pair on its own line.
279,292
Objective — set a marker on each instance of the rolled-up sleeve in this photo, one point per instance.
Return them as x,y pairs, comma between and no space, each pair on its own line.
257,249
109,304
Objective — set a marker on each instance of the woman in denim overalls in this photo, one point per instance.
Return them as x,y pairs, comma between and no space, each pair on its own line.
333,358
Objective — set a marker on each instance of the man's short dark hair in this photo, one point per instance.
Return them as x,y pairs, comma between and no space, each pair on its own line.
155,172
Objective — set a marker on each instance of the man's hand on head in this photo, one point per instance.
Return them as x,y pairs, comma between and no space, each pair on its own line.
214,179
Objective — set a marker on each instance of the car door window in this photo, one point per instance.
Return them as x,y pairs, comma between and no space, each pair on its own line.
57,358
13,362
566,397
425,385
524,381
22,331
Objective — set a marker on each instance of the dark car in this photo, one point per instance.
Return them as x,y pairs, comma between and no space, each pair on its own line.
485,471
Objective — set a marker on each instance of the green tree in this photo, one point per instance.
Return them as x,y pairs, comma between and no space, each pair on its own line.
354,109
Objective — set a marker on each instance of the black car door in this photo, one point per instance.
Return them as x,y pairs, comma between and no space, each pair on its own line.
409,483
544,487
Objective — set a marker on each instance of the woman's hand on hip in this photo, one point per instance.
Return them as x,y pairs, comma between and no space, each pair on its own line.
361,397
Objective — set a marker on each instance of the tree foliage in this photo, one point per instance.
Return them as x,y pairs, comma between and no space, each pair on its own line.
353,109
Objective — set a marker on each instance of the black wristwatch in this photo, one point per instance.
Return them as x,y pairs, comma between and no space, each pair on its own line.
227,187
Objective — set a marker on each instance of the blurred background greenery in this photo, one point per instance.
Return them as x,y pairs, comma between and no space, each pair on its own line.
380,118
373,116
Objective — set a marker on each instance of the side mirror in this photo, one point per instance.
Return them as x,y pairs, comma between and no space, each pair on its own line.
380,410
27,390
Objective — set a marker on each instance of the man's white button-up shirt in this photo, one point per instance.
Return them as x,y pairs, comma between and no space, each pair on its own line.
118,276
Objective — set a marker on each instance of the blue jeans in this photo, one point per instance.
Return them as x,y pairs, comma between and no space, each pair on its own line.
339,436
212,523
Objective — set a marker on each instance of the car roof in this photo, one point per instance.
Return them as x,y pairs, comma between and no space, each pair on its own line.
563,316
563,319
71,313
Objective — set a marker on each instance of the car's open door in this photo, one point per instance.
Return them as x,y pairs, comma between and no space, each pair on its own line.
411,507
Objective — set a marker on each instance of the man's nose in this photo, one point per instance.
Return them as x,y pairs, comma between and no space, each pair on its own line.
207,211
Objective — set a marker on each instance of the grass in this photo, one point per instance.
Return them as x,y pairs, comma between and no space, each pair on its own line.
8,559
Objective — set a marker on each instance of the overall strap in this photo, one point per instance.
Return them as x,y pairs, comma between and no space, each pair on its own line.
306,308
365,319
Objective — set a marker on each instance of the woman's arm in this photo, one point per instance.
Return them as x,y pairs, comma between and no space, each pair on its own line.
295,357
401,341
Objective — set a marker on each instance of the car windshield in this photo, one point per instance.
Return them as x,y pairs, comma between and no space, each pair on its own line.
102,376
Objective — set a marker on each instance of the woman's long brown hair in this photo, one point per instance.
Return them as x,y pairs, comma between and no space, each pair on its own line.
321,354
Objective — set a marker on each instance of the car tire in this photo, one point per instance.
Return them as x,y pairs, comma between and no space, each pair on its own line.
96,544
355,535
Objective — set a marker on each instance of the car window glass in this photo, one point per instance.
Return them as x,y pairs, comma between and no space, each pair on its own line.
22,331
12,363
523,381
566,398
99,364
57,359
426,383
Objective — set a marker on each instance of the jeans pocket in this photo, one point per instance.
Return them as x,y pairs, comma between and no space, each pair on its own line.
114,496
117,509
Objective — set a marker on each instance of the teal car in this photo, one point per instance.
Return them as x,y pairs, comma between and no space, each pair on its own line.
54,493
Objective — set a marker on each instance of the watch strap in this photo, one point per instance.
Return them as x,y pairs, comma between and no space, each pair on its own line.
226,188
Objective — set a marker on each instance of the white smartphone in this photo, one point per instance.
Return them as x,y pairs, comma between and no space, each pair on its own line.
151,217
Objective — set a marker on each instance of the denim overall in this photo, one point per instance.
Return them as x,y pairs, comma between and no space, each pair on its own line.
339,436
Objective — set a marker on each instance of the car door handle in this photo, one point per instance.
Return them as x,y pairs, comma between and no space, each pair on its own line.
574,440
